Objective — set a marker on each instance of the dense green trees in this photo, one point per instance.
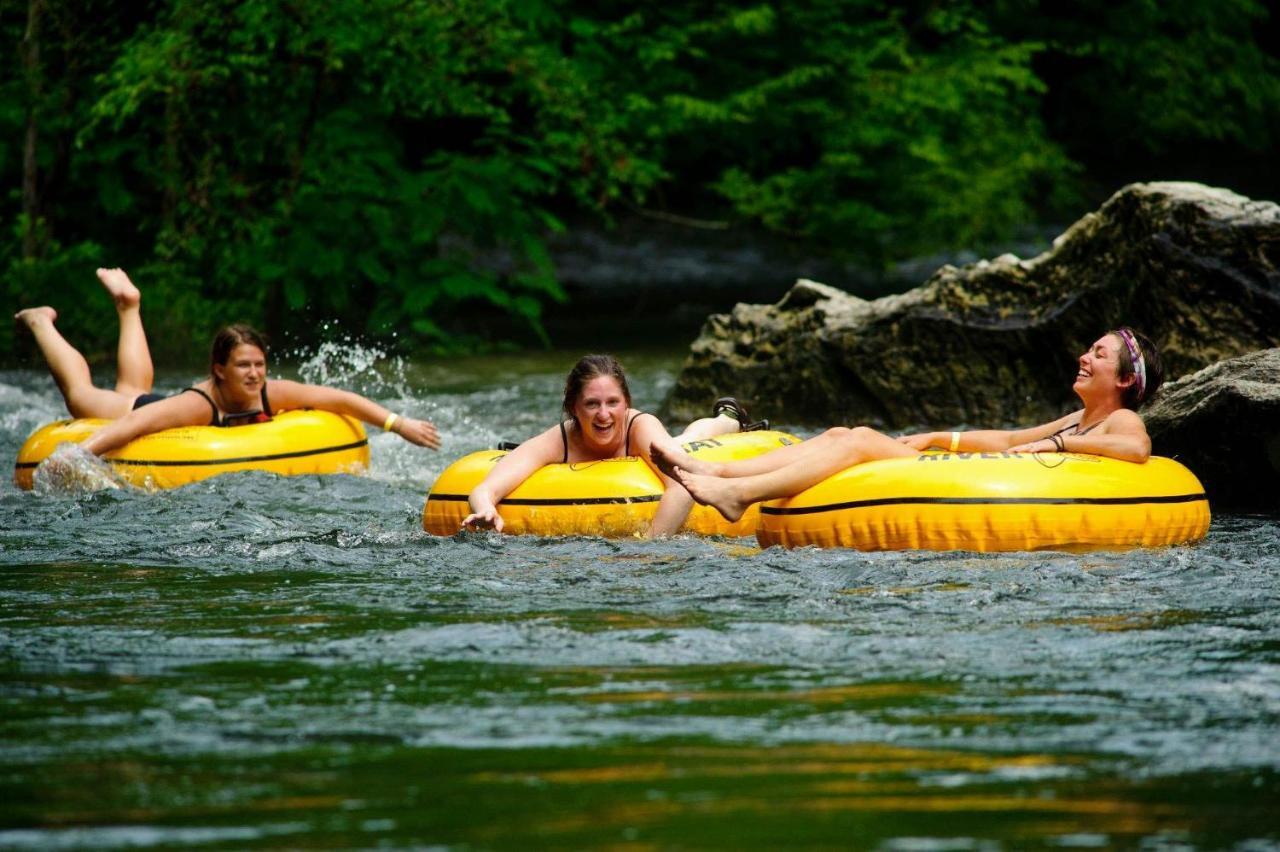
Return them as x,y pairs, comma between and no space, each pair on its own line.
400,164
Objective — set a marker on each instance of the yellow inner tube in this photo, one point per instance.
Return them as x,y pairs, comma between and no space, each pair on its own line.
612,498
291,443
994,502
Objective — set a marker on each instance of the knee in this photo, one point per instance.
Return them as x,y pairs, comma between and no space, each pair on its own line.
847,433
852,441
699,429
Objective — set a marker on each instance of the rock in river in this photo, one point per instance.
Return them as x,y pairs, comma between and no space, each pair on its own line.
995,343
1223,422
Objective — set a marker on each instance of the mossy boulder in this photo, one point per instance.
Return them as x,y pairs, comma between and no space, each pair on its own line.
995,343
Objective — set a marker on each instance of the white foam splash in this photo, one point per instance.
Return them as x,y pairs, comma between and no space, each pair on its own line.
72,470
350,363
27,402
371,370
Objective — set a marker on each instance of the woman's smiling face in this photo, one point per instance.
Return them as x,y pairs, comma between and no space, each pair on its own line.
1099,369
601,411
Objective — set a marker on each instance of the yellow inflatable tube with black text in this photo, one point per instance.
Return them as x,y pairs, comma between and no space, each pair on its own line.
994,502
613,498
291,443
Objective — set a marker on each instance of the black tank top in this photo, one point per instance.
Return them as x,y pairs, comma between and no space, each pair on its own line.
240,418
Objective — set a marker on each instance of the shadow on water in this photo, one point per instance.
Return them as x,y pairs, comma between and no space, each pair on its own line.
253,661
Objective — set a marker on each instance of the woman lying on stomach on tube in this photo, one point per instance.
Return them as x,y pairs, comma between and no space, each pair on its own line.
236,392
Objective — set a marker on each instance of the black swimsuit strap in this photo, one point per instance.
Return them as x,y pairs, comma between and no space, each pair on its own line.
217,418
1076,427
626,447
217,415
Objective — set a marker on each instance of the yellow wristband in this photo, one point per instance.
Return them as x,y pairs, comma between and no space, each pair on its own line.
391,422
955,441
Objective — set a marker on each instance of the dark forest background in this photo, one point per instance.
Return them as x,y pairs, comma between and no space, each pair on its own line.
403,166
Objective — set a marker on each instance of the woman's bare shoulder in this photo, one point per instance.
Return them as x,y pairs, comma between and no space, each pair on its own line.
1124,420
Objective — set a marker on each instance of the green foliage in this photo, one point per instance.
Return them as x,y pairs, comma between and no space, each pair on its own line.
299,161
1175,72
400,165
857,127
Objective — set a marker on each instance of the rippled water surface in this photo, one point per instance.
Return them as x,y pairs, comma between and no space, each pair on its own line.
254,661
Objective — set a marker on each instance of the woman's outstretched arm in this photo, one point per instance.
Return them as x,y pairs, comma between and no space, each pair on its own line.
285,395
185,409
507,475
1121,436
985,440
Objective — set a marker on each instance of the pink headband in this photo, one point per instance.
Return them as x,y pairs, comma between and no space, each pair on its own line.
1135,355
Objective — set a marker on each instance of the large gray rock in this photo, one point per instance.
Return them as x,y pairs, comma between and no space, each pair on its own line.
1223,422
995,342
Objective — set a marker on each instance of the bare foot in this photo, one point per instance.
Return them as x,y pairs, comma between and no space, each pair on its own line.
669,460
122,290
31,316
723,495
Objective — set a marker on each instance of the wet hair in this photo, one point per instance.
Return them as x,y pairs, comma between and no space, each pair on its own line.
592,367
1153,366
226,340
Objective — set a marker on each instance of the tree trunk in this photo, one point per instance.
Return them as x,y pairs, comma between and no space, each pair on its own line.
31,139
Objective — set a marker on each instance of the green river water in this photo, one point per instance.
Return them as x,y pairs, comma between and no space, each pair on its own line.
255,661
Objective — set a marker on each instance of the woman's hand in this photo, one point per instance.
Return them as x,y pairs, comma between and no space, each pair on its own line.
511,470
420,432
486,519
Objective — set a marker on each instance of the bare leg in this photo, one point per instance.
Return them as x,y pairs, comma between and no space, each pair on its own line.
134,371
69,368
698,430
708,427
845,447
827,443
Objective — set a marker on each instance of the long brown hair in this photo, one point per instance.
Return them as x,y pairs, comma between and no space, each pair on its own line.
591,367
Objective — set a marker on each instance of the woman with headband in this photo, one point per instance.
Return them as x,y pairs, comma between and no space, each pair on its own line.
1119,372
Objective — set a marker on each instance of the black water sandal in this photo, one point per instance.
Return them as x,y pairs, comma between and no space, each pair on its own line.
729,405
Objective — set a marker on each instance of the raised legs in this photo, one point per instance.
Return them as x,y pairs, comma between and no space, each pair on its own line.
69,368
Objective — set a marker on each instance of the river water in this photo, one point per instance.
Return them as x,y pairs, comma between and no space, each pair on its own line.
256,661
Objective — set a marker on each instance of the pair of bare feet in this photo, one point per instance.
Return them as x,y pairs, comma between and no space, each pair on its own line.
703,481
117,283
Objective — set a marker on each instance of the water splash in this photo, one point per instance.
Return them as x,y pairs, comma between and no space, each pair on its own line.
28,400
348,362
71,470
